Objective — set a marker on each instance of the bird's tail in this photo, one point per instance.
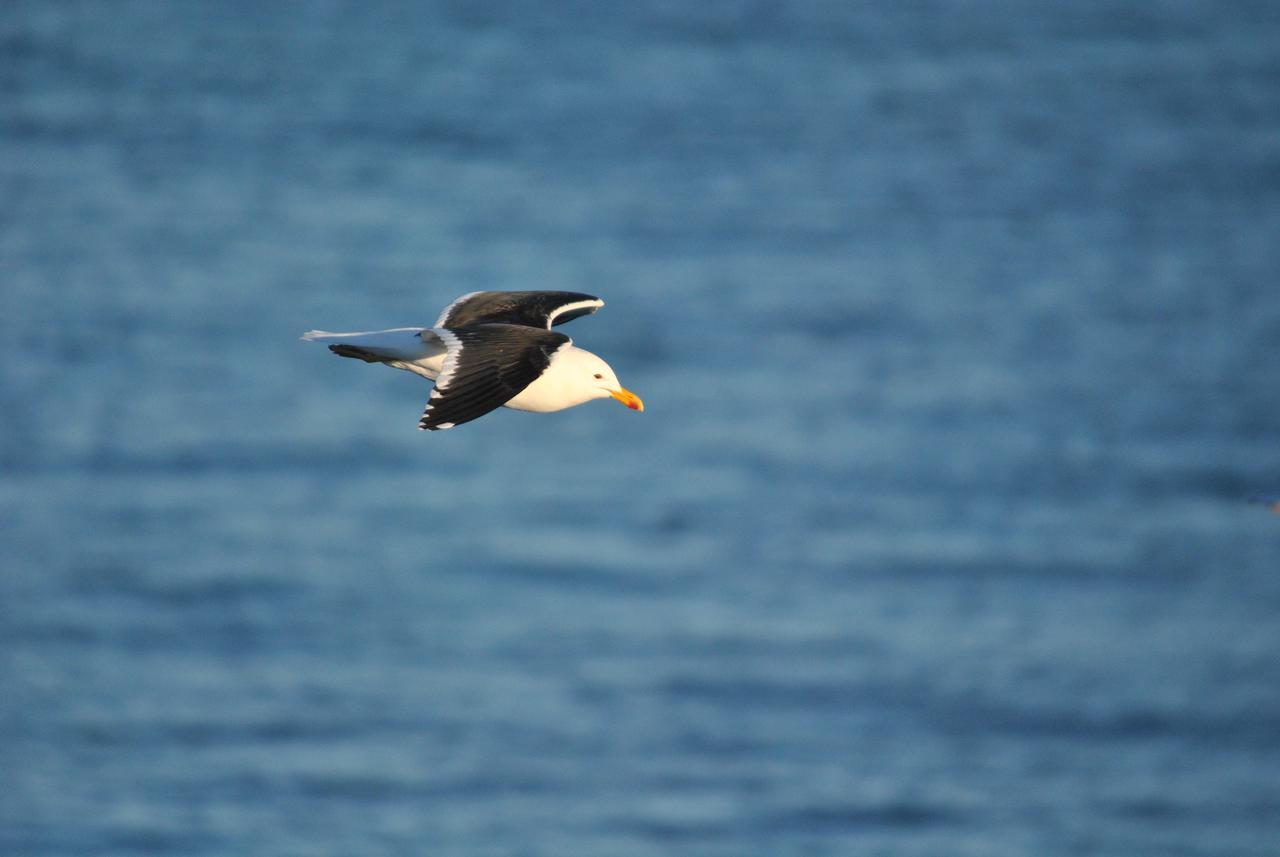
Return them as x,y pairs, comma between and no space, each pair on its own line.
402,343
416,349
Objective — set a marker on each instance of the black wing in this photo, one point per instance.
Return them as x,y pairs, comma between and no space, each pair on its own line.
530,309
485,366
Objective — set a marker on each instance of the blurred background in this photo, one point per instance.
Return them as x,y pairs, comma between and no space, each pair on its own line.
957,324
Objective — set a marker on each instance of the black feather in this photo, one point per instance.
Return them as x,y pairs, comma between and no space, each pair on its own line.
528,309
492,365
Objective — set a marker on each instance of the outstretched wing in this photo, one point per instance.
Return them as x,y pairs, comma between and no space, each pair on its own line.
415,349
485,366
530,309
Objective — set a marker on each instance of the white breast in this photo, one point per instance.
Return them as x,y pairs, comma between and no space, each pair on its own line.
560,386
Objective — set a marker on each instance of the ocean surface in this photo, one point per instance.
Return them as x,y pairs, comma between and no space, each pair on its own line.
958,327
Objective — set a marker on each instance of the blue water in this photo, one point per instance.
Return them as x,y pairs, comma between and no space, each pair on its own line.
957,325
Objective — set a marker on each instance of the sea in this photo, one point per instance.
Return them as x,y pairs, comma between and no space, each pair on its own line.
945,530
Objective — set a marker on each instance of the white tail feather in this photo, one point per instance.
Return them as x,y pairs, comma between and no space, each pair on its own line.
414,349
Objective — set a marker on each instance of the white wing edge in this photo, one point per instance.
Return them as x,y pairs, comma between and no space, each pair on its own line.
594,304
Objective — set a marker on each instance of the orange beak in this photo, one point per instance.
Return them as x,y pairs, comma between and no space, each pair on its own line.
628,398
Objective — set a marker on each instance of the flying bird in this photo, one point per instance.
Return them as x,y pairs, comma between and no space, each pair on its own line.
489,350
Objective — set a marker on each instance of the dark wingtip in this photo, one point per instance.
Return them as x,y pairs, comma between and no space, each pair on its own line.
343,350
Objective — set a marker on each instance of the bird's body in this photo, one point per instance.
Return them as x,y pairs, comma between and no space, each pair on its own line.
490,350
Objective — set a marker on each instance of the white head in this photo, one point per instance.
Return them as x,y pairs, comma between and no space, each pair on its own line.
592,378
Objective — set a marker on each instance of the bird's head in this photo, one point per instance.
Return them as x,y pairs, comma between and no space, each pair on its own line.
599,380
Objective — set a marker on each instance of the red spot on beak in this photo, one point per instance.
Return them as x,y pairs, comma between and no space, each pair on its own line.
628,398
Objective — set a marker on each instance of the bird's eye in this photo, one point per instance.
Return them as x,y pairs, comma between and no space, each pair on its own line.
599,377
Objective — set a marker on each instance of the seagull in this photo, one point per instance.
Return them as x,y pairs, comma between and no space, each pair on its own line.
489,350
